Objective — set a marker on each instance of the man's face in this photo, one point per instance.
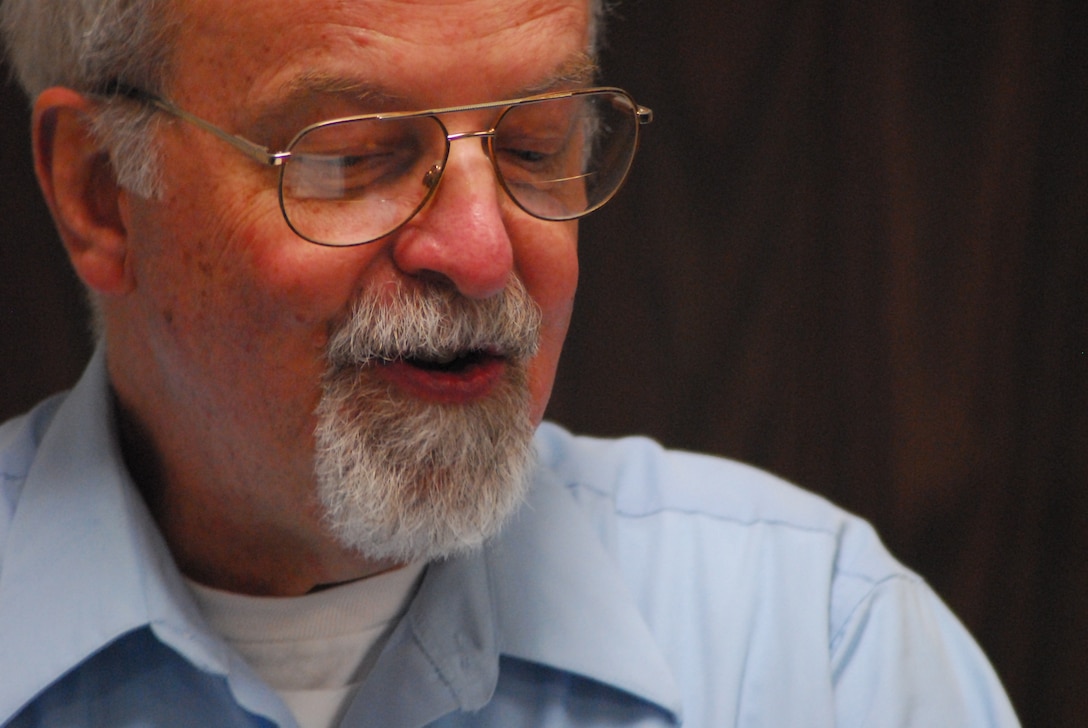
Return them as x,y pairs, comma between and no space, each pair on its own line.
225,347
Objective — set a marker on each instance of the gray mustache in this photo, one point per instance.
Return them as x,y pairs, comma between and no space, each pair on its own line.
433,322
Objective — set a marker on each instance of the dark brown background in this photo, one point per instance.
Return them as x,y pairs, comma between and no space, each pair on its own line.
853,252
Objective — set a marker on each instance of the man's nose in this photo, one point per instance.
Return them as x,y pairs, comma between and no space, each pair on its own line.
461,235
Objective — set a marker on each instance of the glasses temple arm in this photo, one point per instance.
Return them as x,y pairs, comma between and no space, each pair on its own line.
250,149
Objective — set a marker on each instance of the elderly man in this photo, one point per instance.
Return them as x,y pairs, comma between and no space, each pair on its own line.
331,249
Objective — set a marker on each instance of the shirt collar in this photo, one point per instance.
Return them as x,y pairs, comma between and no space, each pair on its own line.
562,602
84,563
545,592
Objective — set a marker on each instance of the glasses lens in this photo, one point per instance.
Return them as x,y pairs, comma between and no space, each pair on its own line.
352,182
561,158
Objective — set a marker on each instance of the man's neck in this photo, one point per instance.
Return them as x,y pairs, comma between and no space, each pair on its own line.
225,541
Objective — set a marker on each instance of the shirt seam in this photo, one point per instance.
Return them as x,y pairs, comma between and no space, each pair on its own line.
435,667
874,587
687,511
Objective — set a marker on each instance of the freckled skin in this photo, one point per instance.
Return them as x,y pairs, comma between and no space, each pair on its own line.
216,352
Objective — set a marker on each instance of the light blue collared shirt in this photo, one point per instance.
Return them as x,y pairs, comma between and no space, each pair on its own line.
636,586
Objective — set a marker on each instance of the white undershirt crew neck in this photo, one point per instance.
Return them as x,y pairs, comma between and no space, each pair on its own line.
317,648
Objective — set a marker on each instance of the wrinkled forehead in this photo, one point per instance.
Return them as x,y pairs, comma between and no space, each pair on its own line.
428,51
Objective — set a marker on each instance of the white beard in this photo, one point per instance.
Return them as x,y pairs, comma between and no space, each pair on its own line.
406,480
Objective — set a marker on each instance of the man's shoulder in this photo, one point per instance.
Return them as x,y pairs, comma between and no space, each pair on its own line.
643,478
747,580
683,503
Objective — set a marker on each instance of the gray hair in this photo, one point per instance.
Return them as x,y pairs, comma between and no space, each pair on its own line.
88,45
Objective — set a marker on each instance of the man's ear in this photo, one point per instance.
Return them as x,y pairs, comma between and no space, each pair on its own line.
80,187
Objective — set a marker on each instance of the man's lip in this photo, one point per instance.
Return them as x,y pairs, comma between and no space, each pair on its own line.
467,378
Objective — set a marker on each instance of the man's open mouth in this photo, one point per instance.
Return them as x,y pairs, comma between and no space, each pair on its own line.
453,364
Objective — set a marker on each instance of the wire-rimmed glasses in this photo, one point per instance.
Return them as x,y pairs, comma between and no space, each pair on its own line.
353,180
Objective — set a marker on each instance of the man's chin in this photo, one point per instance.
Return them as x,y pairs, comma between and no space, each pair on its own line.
422,532
408,480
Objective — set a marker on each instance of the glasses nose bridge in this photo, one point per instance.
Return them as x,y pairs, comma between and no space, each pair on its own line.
484,135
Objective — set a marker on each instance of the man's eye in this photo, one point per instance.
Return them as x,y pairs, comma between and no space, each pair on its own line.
527,156
363,166
334,176
531,152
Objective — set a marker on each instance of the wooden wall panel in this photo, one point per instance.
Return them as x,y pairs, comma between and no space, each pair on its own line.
855,251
